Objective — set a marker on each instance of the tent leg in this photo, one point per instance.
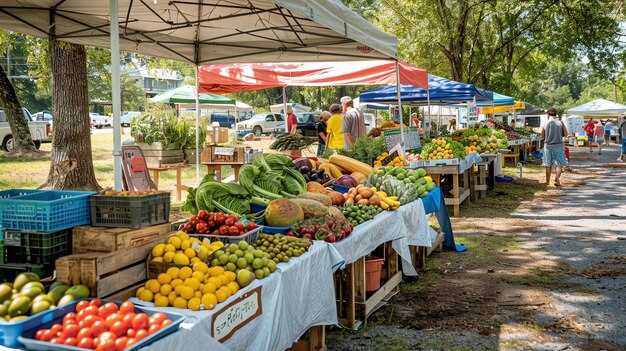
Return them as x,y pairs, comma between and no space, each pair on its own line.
398,87
427,123
285,116
115,95
197,129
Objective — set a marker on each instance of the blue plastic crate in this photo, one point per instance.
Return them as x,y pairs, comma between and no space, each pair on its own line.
25,336
46,211
273,230
341,188
254,208
12,193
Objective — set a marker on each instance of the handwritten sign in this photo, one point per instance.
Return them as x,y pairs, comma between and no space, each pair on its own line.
236,315
226,151
411,138
472,113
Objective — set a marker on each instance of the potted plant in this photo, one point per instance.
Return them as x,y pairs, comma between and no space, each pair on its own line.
157,132
187,132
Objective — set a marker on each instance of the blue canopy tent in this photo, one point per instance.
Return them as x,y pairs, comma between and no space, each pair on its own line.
498,100
441,91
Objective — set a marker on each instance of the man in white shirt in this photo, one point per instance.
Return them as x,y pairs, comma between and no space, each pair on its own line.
353,123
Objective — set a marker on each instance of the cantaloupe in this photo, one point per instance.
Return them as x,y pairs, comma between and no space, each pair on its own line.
283,213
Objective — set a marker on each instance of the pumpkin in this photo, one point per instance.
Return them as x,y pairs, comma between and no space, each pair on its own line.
336,197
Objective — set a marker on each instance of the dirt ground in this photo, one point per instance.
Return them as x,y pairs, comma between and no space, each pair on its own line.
536,275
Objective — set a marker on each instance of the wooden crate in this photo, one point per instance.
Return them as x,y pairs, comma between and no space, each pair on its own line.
226,155
87,238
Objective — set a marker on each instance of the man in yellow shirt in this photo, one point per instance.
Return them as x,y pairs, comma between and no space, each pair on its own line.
334,138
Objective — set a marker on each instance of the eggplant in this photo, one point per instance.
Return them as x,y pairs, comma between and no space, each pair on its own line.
314,176
325,178
306,177
320,172
304,169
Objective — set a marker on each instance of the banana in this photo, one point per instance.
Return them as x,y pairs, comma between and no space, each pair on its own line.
383,205
394,198
381,194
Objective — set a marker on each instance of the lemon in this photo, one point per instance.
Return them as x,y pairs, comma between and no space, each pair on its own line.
146,295
190,253
209,288
179,302
176,282
194,304
175,241
199,276
173,272
200,267
233,286
178,289
223,279
209,301
231,276
171,297
216,281
169,248
186,292
166,289
194,240
164,278
138,293
185,244
154,286
168,257
194,260
161,301
182,235
203,253
215,271
193,283
158,259
181,259
185,273
158,250
221,296
198,294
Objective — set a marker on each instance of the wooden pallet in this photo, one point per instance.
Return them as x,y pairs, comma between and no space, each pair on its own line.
102,239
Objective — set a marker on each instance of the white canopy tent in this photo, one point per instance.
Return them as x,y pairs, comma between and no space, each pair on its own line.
202,32
599,107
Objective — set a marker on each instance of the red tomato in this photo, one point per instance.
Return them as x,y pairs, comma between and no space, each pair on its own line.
157,318
107,309
166,323
84,333
131,341
81,305
80,316
140,321
127,307
89,321
128,319
98,328
110,320
67,322
70,330
141,334
106,345
154,328
131,333
118,328
39,334
96,341
120,343
69,316
90,310
56,328
71,341
95,302
47,335
86,343
56,341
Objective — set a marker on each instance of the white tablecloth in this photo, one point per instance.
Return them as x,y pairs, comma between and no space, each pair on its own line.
301,295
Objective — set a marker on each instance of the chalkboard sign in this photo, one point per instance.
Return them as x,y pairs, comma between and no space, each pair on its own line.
411,138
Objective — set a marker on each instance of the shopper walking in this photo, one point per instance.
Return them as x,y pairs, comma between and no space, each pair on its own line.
622,137
322,128
553,132
589,129
334,137
608,127
598,135
353,123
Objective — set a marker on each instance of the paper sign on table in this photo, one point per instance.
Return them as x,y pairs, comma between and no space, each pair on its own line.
236,315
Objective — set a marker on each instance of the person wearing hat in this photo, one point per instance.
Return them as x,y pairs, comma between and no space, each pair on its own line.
353,123
553,133
334,138
292,121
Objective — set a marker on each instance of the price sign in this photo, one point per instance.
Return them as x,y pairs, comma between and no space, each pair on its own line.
236,315
411,138
226,151
472,113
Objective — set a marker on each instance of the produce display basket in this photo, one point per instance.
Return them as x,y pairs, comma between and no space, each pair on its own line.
129,211
45,211
249,237
341,188
36,247
12,193
26,336
273,230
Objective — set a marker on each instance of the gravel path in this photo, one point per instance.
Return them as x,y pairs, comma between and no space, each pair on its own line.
587,231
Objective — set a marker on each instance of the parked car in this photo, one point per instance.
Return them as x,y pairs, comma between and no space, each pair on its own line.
99,121
39,131
261,123
226,120
307,124
45,116
127,117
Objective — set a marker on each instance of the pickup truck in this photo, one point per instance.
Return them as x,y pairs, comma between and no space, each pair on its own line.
39,131
99,121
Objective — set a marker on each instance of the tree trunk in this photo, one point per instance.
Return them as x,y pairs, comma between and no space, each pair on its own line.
71,166
22,140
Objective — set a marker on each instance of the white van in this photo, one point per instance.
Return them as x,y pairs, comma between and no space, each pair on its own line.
127,117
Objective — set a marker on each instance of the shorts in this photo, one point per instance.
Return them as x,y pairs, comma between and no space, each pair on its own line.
590,138
624,146
554,157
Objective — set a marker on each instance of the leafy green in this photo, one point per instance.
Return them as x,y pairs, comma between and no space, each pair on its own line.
249,176
225,197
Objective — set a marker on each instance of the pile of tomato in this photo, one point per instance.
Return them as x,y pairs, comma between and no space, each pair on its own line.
217,223
103,327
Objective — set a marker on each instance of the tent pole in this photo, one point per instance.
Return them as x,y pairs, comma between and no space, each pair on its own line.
285,116
197,129
427,102
115,94
398,87
439,117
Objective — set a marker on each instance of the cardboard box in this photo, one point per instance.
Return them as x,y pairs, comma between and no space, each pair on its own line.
217,135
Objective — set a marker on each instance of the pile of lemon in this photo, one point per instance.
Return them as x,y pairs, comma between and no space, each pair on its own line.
442,151
196,288
184,250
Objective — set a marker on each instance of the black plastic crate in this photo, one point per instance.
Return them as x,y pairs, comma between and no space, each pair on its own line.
129,212
36,247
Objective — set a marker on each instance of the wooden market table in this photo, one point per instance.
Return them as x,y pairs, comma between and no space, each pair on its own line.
216,169
462,180
169,167
484,177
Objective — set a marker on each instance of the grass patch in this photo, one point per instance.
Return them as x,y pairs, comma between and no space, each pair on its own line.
482,248
427,277
546,278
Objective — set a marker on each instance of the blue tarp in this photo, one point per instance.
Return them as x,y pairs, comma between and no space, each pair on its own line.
442,91
433,204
